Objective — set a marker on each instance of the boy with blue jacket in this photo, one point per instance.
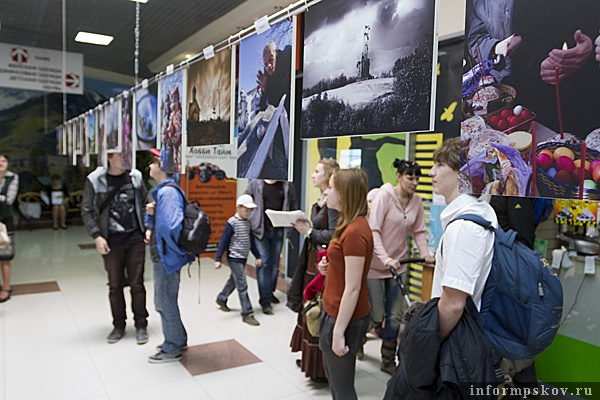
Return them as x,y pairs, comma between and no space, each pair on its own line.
164,218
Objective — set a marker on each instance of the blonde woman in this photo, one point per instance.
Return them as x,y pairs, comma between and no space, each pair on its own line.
318,236
346,307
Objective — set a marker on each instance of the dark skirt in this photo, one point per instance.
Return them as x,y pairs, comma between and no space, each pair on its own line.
7,253
312,359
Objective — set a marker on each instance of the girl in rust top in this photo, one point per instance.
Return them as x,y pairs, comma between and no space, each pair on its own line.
345,298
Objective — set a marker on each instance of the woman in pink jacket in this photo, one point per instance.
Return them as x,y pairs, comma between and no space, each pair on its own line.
395,212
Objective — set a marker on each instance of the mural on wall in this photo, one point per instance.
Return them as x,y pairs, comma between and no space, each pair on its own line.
264,111
209,101
448,88
368,67
170,114
526,130
146,114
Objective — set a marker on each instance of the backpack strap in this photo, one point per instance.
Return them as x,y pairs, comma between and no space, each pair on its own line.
476,219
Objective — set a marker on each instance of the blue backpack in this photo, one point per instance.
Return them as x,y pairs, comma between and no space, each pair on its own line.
522,301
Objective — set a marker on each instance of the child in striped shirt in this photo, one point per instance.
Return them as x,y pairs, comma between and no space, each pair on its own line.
236,239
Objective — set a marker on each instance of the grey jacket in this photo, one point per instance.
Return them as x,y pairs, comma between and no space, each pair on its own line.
257,217
95,192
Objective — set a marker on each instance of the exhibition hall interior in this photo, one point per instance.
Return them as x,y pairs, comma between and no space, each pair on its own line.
250,105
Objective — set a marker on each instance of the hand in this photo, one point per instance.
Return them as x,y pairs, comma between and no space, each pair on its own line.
322,266
258,262
102,245
217,264
567,61
147,236
429,261
393,263
301,226
598,48
261,80
338,345
513,45
150,208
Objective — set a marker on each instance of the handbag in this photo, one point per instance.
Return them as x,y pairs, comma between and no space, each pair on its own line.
312,312
4,238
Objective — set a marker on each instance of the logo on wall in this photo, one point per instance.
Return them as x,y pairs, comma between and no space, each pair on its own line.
19,54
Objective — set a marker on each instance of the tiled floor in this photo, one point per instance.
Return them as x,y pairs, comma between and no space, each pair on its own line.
52,337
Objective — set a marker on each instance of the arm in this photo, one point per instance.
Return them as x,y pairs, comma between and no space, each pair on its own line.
223,243
11,193
376,221
450,307
88,212
169,203
323,236
353,275
418,230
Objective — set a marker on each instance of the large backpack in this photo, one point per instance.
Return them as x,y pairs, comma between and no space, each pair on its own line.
195,230
522,302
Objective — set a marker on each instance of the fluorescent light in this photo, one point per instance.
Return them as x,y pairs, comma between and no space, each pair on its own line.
187,56
140,1
93,38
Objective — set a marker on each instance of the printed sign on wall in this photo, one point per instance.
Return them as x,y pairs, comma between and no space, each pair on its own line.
33,68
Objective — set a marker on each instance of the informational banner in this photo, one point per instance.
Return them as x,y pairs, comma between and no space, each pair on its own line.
33,68
210,154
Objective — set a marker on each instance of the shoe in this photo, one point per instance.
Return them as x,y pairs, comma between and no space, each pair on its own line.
250,320
319,380
115,335
64,227
298,363
141,335
268,310
55,228
161,357
274,299
7,297
183,348
360,354
223,305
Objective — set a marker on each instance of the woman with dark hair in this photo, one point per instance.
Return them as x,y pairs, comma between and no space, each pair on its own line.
318,236
345,315
9,187
395,212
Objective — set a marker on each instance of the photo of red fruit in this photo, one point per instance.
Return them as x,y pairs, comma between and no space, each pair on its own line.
502,125
506,114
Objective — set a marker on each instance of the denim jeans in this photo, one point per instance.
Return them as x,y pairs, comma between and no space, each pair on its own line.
125,266
166,291
387,302
237,280
269,249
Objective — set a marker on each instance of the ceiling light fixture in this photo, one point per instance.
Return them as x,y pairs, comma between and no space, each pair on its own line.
93,38
188,56
140,1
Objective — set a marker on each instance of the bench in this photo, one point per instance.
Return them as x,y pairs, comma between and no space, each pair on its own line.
32,208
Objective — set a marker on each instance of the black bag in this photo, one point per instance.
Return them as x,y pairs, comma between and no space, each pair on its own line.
195,230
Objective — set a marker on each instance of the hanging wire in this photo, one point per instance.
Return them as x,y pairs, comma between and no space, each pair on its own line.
136,53
64,57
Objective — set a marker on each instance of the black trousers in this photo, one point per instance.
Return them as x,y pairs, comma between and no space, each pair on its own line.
125,266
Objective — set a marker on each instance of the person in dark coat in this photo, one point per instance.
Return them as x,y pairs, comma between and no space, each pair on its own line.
460,367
